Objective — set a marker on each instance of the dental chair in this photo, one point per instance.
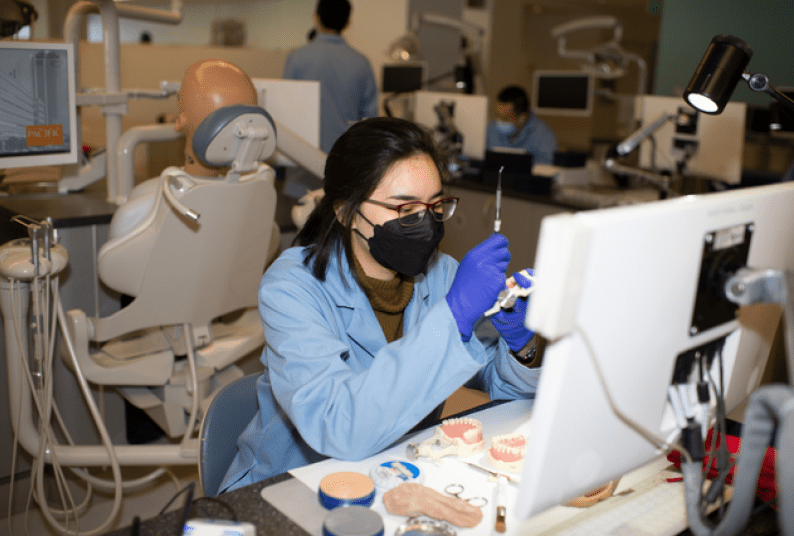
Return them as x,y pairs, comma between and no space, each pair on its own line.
190,251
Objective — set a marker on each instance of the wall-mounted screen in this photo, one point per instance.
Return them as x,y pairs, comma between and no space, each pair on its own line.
38,117
562,93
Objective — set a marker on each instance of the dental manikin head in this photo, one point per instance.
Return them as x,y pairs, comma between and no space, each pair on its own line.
206,86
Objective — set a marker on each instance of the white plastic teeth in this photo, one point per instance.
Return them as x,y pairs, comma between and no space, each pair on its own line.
513,443
507,452
472,441
441,444
472,433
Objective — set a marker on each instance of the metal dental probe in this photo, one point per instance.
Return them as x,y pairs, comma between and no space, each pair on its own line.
497,224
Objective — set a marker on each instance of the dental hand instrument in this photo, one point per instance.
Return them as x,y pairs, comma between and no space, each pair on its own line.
497,224
495,474
501,501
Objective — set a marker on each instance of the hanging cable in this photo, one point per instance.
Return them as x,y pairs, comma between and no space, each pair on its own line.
649,436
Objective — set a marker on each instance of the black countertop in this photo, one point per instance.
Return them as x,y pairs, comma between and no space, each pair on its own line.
247,504
88,207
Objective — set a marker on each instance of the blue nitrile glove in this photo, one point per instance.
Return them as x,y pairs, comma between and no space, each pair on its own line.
510,323
478,281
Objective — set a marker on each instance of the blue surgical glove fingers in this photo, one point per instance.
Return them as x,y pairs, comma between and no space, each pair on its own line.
523,281
510,324
478,281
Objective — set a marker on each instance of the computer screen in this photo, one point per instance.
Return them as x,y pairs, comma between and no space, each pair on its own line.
562,93
714,143
404,77
629,291
469,113
38,114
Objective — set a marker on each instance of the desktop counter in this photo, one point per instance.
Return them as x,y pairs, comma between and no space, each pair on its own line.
523,209
288,504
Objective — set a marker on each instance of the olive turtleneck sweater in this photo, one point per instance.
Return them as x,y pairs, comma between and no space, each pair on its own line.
389,300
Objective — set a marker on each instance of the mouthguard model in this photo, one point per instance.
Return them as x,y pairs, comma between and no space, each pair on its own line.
506,452
456,437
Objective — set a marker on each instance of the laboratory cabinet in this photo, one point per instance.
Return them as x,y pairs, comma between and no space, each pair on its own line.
473,222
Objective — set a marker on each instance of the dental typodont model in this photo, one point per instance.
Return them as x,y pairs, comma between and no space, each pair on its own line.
455,437
506,452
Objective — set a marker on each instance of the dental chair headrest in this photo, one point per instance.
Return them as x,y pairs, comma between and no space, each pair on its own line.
239,136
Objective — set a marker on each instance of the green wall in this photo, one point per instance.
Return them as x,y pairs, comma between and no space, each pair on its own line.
688,26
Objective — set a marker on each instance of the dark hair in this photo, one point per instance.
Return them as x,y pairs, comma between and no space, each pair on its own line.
516,96
355,166
334,14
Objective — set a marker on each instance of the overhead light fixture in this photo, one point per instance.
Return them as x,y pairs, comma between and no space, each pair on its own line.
718,73
407,46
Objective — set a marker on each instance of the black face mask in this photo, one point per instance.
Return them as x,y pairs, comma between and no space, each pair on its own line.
407,250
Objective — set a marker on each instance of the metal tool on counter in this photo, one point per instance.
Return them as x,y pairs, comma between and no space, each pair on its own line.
501,502
456,489
497,474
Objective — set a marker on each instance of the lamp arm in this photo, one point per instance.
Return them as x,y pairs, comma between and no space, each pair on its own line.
634,139
475,32
760,82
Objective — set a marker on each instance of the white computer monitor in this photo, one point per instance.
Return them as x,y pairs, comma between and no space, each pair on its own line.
628,288
716,141
38,111
566,93
470,115
294,104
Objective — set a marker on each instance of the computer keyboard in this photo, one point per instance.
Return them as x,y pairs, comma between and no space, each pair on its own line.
653,507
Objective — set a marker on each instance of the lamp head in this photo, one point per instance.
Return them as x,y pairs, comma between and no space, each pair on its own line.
405,48
717,74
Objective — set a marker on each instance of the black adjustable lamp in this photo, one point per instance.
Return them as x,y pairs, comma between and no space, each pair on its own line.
719,72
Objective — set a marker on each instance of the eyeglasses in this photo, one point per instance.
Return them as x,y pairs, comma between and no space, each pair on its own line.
413,212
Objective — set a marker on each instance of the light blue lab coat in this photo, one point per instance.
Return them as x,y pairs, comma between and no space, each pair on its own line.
334,387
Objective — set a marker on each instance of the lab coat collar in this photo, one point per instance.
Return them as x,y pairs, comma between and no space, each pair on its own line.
355,309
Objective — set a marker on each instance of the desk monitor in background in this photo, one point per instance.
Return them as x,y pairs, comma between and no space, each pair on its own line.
38,111
632,289
568,93
716,142
470,115
404,77
294,104
516,161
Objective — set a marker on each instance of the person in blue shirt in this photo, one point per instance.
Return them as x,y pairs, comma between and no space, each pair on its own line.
368,327
348,92
517,127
